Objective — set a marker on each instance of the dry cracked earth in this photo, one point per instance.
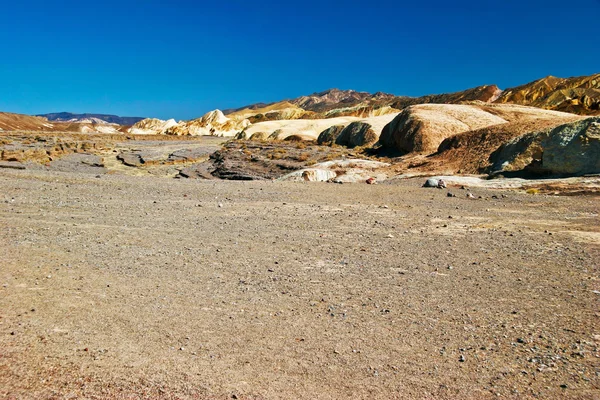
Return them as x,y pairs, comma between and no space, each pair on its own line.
121,287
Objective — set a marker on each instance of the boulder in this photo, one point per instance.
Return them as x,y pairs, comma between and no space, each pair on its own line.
357,134
329,135
310,175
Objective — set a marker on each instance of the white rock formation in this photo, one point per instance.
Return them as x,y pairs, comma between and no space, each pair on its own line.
151,126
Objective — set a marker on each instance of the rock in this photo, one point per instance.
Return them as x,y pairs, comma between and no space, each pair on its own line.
435,183
470,196
422,128
357,134
259,136
12,165
462,358
567,150
131,159
78,162
318,175
151,126
213,123
330,135
371,181
431,182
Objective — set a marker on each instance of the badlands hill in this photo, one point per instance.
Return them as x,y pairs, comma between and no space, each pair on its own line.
578,95
89,118
20,122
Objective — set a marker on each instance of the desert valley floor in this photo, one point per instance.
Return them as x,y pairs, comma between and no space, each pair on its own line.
116,286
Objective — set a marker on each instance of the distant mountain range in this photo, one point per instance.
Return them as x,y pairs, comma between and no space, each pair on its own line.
578,95
93,118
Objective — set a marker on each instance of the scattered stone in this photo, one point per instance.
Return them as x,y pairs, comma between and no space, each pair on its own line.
462,358
431,182
371,181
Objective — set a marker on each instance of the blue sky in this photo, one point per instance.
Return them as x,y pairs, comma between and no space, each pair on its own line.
181,59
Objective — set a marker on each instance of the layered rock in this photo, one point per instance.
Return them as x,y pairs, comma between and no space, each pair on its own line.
422,128
329,135
357,134
213,123
341,171
152,126
580,95
566,150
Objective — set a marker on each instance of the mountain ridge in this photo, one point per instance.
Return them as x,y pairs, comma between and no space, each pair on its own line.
86,117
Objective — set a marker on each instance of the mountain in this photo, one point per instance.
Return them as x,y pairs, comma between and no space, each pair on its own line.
90,118
579,95
350,103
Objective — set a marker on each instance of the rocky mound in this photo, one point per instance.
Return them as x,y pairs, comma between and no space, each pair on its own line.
276,111
580,95
566,150
151,126
213,123
329,135
422,128
357,134
470,152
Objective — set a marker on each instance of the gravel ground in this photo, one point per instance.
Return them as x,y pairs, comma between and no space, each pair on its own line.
142,287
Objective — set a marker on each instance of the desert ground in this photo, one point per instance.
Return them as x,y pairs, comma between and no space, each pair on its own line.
126,285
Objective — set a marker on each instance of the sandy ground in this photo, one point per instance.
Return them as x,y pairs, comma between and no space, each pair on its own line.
141,287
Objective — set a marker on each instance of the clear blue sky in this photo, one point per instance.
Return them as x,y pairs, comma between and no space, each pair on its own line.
183,58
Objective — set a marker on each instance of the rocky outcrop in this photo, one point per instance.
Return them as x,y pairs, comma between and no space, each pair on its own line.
329,135
214,123
152,126
422,128
357,134
340,171
567,150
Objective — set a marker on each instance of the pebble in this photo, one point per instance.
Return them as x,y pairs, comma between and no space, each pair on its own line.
462,359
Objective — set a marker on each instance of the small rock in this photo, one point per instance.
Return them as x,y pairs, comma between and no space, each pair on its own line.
371,181
462,358
470,196
450,195
431,183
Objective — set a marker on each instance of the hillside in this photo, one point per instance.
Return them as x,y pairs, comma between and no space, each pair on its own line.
578,95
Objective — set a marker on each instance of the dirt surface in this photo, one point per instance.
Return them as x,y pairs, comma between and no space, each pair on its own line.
115,286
